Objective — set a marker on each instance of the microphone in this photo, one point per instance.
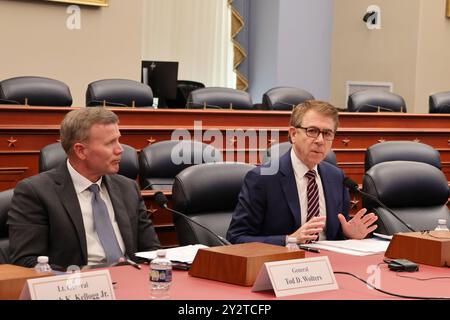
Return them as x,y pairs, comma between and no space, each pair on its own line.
93,103
352,185
203,105
7,101
162,201
375,107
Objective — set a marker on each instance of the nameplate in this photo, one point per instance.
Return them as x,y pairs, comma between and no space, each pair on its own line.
299,276
94,285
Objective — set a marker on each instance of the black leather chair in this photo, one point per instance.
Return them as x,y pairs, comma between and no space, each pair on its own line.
160,162
401,150
118,93
219,98
278,149
184,88
5,203
373,100
35,91
439,102
284,98
416,192
53,154
207,193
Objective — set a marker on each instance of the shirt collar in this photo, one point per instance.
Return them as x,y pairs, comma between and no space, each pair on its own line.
80,182
300,169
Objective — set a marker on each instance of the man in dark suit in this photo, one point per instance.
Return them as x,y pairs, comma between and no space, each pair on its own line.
305,198
81,213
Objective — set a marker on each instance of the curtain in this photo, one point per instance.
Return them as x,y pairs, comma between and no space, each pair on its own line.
196,33
240,12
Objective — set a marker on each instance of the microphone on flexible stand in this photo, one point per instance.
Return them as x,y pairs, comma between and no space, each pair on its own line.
162,201
352,185
7,101
104,103
202,105
378,108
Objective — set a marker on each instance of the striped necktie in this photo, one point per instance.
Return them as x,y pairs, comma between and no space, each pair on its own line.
312,192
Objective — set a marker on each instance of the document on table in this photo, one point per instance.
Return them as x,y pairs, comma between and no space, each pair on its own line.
185,254
363,247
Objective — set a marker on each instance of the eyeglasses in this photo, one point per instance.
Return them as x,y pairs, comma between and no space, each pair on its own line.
313,132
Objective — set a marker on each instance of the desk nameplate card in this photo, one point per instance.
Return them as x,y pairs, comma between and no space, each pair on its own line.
94,285
291,277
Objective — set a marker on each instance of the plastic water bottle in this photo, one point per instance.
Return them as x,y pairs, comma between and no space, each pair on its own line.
442,225
160,276
42,265
292,243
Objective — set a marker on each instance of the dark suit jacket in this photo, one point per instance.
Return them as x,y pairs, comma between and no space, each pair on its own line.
45,219
268,207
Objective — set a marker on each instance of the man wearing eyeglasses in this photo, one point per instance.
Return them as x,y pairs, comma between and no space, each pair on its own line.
306,198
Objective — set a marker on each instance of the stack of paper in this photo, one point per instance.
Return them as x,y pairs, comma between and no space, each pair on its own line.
353,247
184,254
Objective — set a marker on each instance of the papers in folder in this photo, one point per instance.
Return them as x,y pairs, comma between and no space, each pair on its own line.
363,247
184,254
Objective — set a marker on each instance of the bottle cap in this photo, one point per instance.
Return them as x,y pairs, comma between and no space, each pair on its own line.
292,240
161,253
442,221
42,259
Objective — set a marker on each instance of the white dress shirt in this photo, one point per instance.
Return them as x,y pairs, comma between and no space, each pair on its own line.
95,251
300,169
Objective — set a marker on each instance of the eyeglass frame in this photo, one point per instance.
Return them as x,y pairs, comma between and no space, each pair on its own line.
323,132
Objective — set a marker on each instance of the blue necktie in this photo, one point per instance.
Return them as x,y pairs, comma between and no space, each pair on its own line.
103,226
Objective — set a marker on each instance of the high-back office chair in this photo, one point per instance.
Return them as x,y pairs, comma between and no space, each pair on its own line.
160,162
278,149
5,203
401,150
219,98
207,193
374,100
439,102
416,192
53,155
184,88
118,93
284,98
35,91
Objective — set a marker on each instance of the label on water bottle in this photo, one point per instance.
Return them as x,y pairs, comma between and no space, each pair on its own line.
161,275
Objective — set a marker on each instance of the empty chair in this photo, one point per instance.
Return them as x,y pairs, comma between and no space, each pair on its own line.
401,150
278,149
184,88
373,100
160,162
219,98
207,193
416,192
284,98
118,93
439,102
5,203
53,155
35,91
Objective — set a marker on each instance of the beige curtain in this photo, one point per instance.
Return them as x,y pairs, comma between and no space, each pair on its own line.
194,32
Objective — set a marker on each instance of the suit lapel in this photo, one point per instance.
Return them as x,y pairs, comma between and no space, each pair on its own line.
120,213
69,199
289,186
332,223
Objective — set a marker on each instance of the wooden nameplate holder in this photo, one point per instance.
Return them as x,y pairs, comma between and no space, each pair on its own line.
431,248
240,263
13,278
